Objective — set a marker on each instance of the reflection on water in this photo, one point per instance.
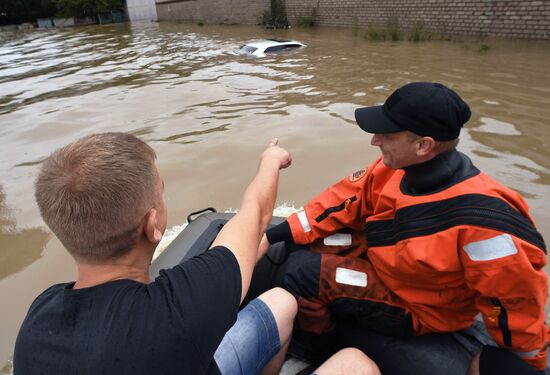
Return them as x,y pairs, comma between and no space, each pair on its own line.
208,112
174,137
7,369
490,125
502,83
19,248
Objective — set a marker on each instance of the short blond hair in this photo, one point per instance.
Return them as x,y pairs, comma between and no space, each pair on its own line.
94,193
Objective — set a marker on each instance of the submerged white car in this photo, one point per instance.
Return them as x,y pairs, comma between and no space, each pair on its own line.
261,47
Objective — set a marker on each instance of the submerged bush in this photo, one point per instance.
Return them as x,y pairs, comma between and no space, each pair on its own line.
355,27
484,48
389,31
276,16
419,33
393,31
308,19
375,32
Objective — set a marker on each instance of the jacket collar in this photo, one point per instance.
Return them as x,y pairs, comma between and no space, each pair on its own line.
438,173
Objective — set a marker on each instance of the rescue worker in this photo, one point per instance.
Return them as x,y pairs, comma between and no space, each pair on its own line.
406,253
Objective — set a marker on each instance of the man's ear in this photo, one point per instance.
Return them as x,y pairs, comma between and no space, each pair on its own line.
425,146
151,230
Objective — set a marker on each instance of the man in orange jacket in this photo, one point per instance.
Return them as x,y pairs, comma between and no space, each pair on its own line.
407,252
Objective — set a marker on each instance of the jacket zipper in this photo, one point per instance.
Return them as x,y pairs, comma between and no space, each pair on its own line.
503,322
344,205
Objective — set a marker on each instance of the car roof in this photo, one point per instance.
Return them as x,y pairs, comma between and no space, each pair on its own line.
272,42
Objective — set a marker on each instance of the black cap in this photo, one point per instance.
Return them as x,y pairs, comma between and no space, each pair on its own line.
424,108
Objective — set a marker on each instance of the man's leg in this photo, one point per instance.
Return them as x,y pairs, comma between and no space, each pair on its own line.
332,287
259,339
349,361
420,355
284,308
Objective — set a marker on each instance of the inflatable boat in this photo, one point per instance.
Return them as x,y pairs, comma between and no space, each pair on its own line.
203,227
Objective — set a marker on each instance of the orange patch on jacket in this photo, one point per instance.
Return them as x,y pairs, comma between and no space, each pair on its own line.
356,176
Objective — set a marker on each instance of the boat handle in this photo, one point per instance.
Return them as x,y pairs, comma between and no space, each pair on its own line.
191,217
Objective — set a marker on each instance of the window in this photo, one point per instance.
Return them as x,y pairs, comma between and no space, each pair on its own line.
247,49
274,49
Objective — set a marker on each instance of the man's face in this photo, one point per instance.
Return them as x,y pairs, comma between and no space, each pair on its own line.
398,149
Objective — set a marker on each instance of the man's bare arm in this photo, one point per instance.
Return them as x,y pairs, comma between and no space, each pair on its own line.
243,232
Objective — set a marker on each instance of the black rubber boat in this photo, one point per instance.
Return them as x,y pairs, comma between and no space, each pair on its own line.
199,234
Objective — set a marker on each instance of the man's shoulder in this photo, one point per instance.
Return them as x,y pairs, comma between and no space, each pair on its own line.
218,256
49,295
215,269
56,289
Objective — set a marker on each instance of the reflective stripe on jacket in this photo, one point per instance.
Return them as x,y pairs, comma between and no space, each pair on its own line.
448,255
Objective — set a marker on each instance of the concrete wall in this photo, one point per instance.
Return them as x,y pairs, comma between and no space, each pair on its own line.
141,10
504,18
247,12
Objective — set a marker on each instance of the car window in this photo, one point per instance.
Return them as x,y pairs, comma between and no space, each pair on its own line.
247,49
274,49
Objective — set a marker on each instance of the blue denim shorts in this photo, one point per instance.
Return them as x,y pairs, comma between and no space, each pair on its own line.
251,343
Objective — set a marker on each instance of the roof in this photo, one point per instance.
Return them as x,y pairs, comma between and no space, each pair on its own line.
272,42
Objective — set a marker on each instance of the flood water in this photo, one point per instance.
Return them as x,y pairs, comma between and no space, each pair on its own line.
208,114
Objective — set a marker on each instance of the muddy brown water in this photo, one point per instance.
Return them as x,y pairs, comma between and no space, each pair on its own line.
208,114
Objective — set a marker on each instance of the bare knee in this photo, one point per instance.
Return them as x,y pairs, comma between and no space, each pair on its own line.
354,355
279,300
284,307
349,361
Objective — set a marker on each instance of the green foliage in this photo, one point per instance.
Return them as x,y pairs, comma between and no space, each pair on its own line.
375,33
392,30
200,23
389,31
419,33
18,11
484,48
86,8
308,19
277,8
355,27
276,16
443,33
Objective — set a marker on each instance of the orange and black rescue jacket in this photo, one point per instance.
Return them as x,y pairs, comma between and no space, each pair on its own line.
448,255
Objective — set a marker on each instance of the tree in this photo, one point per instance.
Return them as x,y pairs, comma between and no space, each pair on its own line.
19,11
86,8
276,16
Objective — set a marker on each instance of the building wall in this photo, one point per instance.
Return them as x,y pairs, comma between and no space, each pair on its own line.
246,12
504,18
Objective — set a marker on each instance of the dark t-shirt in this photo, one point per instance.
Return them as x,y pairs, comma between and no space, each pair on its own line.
171,326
